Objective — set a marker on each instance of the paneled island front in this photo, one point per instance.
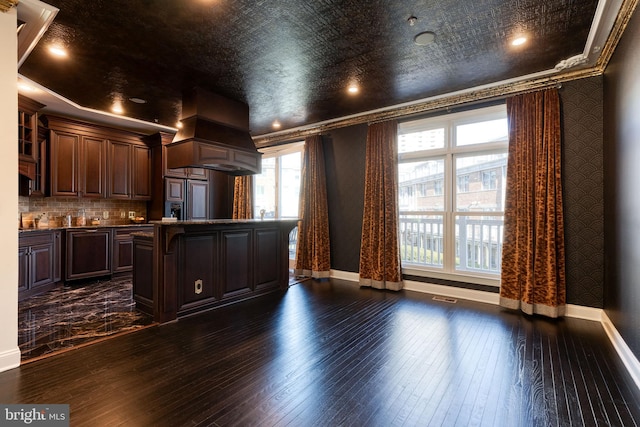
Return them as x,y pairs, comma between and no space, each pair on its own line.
186,267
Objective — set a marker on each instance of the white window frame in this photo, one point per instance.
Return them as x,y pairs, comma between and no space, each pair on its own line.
449,153
276,152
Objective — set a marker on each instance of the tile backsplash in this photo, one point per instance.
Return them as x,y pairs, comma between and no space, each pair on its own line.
57,207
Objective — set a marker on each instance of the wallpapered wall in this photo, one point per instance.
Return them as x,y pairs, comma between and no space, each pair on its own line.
583,191
582,106
344,151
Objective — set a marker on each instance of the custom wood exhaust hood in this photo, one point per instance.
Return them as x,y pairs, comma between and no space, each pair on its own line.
214,135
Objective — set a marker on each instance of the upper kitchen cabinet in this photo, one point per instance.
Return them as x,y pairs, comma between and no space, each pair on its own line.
32,148
141,173
129,171
95,161
28,129
78,160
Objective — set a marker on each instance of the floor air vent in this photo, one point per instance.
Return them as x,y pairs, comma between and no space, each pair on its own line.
445,299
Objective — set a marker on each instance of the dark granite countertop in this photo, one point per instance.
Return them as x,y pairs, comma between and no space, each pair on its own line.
223,221
28,230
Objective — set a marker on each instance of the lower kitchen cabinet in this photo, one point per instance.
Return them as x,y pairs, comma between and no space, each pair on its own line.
123,247
38,261
88,253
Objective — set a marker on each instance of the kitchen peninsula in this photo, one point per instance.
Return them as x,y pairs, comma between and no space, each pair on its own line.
185,267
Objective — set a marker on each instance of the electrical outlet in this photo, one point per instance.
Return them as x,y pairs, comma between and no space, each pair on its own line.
132,214
122,214
105,214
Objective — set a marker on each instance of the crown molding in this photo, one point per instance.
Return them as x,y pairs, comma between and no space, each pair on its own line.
622,20
538,81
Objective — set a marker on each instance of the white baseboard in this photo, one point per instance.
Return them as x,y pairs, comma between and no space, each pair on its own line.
345,275
9,359
576,311
582,312
628,358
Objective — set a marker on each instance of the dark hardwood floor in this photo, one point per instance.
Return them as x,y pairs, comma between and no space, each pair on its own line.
328,354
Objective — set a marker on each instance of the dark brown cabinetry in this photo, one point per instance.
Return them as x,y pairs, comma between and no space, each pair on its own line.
192,196
32,148
201,193
28,129
88,253
198,265
94,161
143,266
141,173
197,202
78,163
129,171
174,190
119,170
65,150
191,173
123,248
38,262
92,167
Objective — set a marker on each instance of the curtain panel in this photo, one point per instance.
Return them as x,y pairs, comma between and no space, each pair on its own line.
243,197
380,249
533,258
312,249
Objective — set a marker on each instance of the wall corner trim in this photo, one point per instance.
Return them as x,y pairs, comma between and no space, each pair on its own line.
576,311
9,359
628,358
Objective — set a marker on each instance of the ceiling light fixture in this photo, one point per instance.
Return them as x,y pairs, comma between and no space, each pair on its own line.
353,89
138,100
117,107
412,20
518,41
26,87
58,51
276,124
179,125
424,38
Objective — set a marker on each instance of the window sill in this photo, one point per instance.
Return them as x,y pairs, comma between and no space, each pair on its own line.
485,280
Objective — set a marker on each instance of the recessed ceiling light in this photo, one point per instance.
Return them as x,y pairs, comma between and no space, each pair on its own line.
276,125
518,41
138,100
424,38
26,87
179,125
117,107
58,51
353,89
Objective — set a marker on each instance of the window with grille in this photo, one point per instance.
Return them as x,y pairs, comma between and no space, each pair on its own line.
455,230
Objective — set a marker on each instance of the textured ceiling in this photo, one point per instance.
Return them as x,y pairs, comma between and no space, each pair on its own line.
291,61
